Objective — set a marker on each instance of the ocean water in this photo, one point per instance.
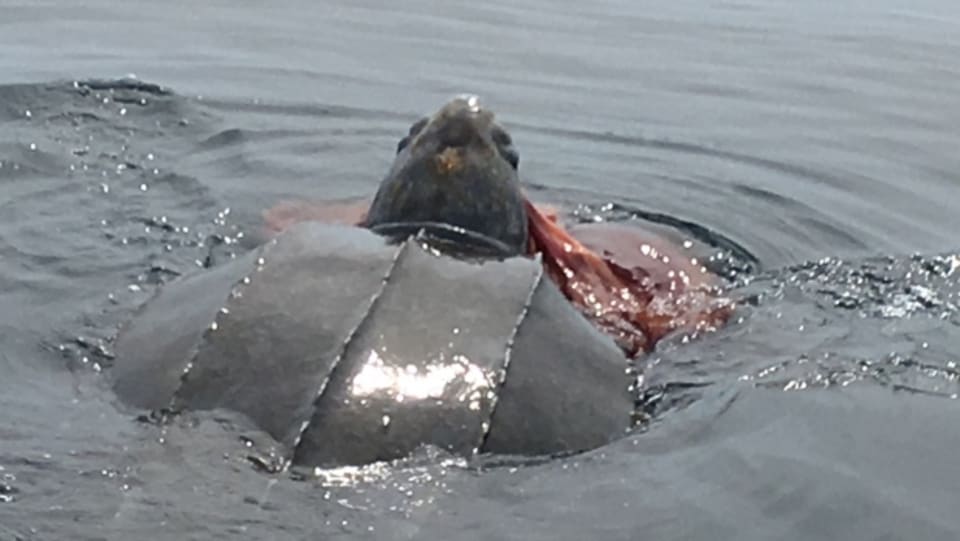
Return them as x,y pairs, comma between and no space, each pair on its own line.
812,144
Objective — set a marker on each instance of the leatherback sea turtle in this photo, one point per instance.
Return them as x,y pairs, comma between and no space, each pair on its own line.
458,315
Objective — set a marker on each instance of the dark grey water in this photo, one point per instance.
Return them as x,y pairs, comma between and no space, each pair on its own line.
791,131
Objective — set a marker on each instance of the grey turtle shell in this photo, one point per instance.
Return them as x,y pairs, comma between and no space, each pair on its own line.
348,349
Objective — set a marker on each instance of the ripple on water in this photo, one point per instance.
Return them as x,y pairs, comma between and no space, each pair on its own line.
119,200
828,324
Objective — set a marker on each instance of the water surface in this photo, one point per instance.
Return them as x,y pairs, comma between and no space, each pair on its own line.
816,140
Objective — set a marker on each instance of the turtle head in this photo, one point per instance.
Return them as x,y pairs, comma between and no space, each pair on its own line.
457,168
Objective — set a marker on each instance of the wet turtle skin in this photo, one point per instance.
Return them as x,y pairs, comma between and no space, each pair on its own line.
459,168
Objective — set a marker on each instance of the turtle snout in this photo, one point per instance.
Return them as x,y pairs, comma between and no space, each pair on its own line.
458,131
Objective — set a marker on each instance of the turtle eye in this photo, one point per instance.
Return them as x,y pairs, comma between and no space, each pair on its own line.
509,154
501,137
417,126
504,144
